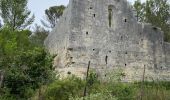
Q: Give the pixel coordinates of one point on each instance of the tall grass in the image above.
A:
(72, 89)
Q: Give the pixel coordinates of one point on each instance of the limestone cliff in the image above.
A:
(106, 33)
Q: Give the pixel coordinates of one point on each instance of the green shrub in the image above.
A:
(26, 67)
(63, 89)
(123, 91)
(72, 89)
(156, 90)
(97, 96)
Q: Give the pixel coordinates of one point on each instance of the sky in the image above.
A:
(38, 7)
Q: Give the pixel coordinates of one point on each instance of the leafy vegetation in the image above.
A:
(156, 12)
(52, 15)
(38, 36)
(25, 66)
(72, 88)
(15, 14)
(26, 71)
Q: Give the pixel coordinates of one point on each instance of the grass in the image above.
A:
(72, 89)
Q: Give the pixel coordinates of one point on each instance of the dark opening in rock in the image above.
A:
(87, 33)
(106, 58)
(110, 14)
(154, 28)
(71, 49)
(68, 72)
(125, 20)
(121, 37)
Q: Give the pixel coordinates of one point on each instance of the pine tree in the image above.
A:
(15, 14)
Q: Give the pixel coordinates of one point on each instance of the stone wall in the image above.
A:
(106, 33)
(167, 53)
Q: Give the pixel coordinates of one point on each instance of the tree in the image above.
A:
(15, 14)
(25, 66)
(52, 16)
(156, 12)
(139, 10)
(63, 89)
(39, 35)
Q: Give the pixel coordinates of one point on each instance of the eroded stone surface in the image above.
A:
(106, 33)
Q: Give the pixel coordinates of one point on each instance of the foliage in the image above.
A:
(93, 83)
(52, 15)
(92, 78)
(155, 90)
(156, 12)
(63, 89)
(39, 36)
(97, 96)
(139, 10)
(122, 91)
(26, 66)
(110, 90)
(15, 14)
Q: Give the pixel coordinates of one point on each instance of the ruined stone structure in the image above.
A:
(106, 33)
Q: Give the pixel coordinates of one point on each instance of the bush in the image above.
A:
(123, 91)
(156, 90)
(26, 66)
(97, 96)
(63, 89)
(72, 89)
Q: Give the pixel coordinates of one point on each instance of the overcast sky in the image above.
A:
(38, 6)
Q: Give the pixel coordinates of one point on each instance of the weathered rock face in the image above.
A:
(106, 33)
